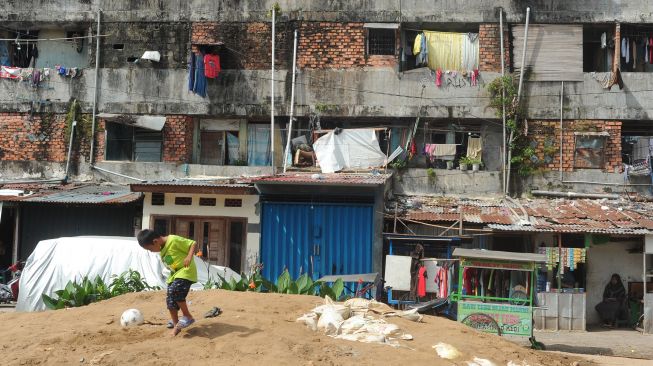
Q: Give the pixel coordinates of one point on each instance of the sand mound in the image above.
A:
(254, 329)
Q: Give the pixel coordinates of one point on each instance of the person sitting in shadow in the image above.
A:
(613, 304)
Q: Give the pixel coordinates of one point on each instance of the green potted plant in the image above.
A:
(464, 163)
(476, 163)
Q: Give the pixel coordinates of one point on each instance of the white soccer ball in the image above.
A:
(131, 317)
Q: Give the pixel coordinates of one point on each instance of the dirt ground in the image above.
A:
(254, 329)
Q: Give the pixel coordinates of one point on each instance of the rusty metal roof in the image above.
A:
(75, 193)
(536, 215)
(342, 179)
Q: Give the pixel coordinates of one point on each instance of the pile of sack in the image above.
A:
(358, 320)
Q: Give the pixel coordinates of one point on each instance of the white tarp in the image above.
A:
(54, 262)
(350, 149)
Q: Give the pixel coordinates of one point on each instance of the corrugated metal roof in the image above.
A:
(544, 215)
(74, 193)
(325, 179)
(208, 186)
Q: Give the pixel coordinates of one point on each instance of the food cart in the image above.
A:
(496, 291)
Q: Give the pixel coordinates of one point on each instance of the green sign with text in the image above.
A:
(512, 319)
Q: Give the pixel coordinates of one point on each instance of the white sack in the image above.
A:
(353, 324)
(350, 149)
(329, 321)
(310, 320)
(447, 351)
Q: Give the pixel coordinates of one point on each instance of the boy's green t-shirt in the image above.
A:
(173, 254)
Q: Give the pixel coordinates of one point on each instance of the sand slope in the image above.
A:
(254, 329)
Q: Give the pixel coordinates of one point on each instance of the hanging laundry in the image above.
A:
(438, 77)
(421, 50)
(624, 41)
(444, 50)
(474, 147)
(650, 50)
(604, 41)
(475, 77)
(7, 72)
(421, 282)
(469, 51)
(212, 66)
(199, 87)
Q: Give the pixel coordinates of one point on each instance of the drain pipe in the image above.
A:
(274, 20)
(519, 90)
(97, 65)
(292, 103)
(117, 174)
(574, 194)
(503, 103)
(70, 150)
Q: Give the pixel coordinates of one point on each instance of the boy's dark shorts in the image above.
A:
(177, 292)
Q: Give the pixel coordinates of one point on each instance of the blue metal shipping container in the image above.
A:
(316, 238)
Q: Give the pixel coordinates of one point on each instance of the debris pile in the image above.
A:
(358, 320)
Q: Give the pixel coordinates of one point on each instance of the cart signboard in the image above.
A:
(495, 264)
(512, 319)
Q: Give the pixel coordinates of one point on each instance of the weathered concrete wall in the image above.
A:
(604, 260)
(61, 52)
(169, 171)
(455, 182)
(378, 92)
(585, 181)
(579, 11)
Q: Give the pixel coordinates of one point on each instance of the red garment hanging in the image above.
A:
(212, 66)
(421, 282)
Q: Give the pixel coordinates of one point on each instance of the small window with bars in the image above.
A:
(158, 199)
(233, 202)
(183, 201)
(381, 41)
(589, 151)
(206, 201)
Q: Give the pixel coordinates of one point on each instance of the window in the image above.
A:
(219, 143)
(183, 201)
(161, 225)
(381, 41)
(127, 143)
(233, 202)
(589, 151)
(206, 201)
(158, 199)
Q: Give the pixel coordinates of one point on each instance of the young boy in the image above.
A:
(177, 254)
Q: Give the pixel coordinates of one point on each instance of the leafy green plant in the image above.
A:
(503, 91)
(398, 164)
(86, 291)
(465, 160)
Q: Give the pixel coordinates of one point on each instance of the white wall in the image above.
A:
(248, 211)
(604, 260)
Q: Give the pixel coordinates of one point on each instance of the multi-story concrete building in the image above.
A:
(147, 113)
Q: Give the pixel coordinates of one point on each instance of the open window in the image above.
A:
(129, 143)
(589, 150)
(636, 48)
(219, 142)
(44, 48)
(598, 47)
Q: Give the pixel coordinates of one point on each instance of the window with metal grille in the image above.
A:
(206, 201)
(183, 201)
(158, 199)
(381, 41)
(233, 202)
(589, 151)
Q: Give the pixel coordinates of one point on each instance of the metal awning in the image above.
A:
(499, 255)
(381, 25)
(154, 123)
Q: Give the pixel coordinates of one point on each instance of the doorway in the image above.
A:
(221, 239)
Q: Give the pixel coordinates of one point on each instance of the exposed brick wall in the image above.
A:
(40, 137)
(245, 45)
(336, 45)
(178, 139)
(32, 138)
(547, 133)
(489, 53)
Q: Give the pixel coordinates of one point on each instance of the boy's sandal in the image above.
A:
(170, 324)
(215, 311)
(185, 322)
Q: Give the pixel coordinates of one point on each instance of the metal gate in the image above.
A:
(316, 238)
